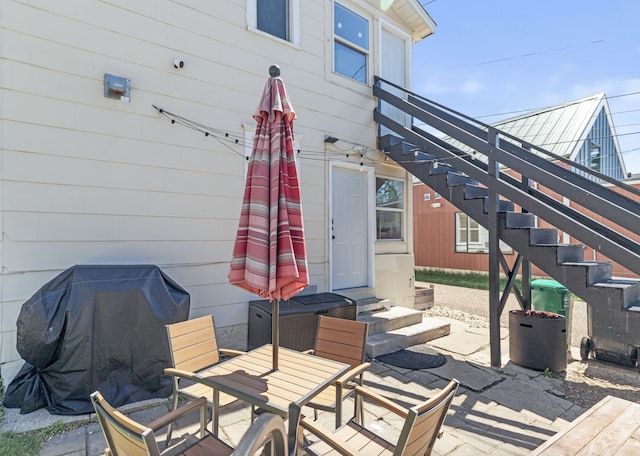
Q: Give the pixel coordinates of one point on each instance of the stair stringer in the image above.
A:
(590, 280)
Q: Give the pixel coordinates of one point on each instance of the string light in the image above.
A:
(226, 139)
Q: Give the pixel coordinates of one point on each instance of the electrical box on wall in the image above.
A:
(117, 87)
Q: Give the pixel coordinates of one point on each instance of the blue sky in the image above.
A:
(492, 59)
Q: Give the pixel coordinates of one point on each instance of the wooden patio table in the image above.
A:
(250, 377)
(611, 427)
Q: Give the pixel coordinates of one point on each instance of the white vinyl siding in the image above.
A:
(91, 180)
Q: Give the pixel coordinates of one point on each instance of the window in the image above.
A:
(273, 17)
(351, 43)
(473, 238)
(389, 209)
(594, 157)
(276, 18)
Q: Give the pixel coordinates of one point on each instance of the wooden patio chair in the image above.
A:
(421, 428)
(126, 437)
(194, 349)
(345, 341)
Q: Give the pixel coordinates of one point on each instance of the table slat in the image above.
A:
(609, 427)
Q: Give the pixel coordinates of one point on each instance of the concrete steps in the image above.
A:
(394, 328)
(399, 327)
(366, 300)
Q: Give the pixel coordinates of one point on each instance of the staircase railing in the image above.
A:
(482, 144)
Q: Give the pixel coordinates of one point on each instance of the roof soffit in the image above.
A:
(419, 23)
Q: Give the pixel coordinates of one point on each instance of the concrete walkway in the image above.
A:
(497, 411)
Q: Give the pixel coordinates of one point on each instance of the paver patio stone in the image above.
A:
(470, 376)
(511, 392)
(67, 443)
(422, 377)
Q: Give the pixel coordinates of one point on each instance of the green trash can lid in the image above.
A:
(548, 284)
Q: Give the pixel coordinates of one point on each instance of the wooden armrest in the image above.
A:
(352, 373)
(326, 436)
(383, 401)
(231, 352)
(182, 410)
(180, 373)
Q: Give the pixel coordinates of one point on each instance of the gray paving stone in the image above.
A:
(69, 443)
(515, 395)
(469, 375)
(422, 377)
(96, 443)
(574, 412)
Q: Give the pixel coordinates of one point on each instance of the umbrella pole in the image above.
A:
(275, 332)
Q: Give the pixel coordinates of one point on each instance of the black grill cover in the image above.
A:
(96, 328)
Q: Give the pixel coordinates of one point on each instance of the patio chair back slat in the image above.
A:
(341, 340)
(194, 349)
(193, 344)
(124, 436)
(423, 423)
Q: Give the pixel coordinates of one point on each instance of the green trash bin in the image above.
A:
(551, 296)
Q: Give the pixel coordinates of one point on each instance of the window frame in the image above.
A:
(594, 160)
(293, 22)
(481, 245)
(392, 210)
(336, 39)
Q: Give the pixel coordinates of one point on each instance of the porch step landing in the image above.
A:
(366, 300)
(399, 327)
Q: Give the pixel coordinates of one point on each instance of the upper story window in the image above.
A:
(351, 43)
(278, 18)
(389, 209)
(273, 17)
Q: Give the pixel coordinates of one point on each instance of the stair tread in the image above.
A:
(427, 324)
(586, 263)
(618, 283)
(397, 339)
(394, 312)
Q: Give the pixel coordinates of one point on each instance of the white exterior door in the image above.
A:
(393, 58)
(349, 228)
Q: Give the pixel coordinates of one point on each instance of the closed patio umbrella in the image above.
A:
(269, 254)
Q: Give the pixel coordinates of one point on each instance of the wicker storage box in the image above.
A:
(298, 319)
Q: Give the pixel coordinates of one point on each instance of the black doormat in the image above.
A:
(415, 357)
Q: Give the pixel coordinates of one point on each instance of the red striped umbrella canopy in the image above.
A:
(269, 255)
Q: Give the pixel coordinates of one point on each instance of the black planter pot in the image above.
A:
(538, 340)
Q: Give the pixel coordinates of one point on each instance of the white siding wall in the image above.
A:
(90, 180)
